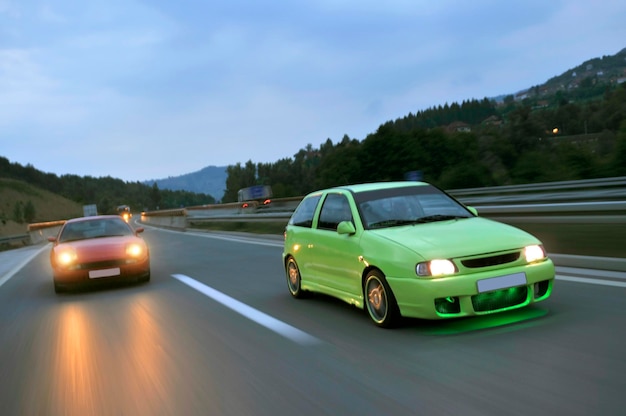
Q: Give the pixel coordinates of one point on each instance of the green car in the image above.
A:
(408, 249)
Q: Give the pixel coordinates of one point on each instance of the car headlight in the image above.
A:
(438, 267)
(534, 253)
(134, 250)
(66, 256)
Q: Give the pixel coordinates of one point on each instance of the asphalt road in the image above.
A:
(215, 332)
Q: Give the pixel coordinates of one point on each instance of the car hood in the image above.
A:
(457, 238)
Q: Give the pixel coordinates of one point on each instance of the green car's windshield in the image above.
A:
(405, 206)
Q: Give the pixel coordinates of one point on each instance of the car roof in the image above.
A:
(374, 186)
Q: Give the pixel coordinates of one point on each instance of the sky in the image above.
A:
(148, 89)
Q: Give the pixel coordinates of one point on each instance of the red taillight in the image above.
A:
(267, 201)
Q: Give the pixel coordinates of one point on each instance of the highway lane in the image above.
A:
(167, 348)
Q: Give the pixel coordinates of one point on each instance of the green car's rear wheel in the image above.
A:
(379, 300)
(294, 280)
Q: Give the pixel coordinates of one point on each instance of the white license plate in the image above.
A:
(96, 274)
(502, 282)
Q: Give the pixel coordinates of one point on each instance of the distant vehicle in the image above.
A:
(258, 193)
(98, 249)
(408, 249)
(124, 212)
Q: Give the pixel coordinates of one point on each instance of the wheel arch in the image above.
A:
(364, 274)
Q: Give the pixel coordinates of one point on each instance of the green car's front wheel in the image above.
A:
(379, 300)
(294, 281)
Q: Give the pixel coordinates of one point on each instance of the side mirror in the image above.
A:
(139, 230)
(52, 239)
(473, 210)
(346, 227)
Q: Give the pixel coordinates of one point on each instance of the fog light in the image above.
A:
(449, 305)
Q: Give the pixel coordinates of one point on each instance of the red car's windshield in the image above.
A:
(108, 227)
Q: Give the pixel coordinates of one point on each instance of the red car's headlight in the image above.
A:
(135, 250)
(65, 256)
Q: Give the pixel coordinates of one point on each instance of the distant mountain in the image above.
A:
(210, 180)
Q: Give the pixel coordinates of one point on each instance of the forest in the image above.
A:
(106, 192)
(580, 134)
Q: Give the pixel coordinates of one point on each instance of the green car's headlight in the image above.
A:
(438, 267)
(534, 253)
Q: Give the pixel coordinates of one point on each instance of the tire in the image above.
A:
(380, 302)
(294, 280)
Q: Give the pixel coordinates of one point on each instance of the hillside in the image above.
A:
(16, 195)
(608, 70)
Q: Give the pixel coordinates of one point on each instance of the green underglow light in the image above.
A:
(513, 319)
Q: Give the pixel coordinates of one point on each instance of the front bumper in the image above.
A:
(127, 272)
(458, 296)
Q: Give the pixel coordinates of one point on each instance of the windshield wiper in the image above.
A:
(422, 220)
(438, 217)
(391, 223)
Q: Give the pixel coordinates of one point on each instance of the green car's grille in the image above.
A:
(499, 299)
(491, 260)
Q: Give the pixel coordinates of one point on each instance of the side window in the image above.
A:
(335, 209)
(303, 215)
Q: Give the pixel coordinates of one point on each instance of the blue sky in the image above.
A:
(142, 90)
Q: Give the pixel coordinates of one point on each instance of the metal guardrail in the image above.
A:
(14, 238)
(23, 239)
(604, 189)
(603, 199)
(619, 181)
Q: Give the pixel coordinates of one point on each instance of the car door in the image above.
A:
(335, 257)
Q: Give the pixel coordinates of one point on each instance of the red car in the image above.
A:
(101, 248)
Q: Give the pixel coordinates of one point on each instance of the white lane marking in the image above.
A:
(17, 268)
(577, 271)
(259, 317)
(592, 281)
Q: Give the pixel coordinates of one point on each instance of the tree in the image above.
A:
(29, 211)
(155, 196)
(619, 157)
(18, 215)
